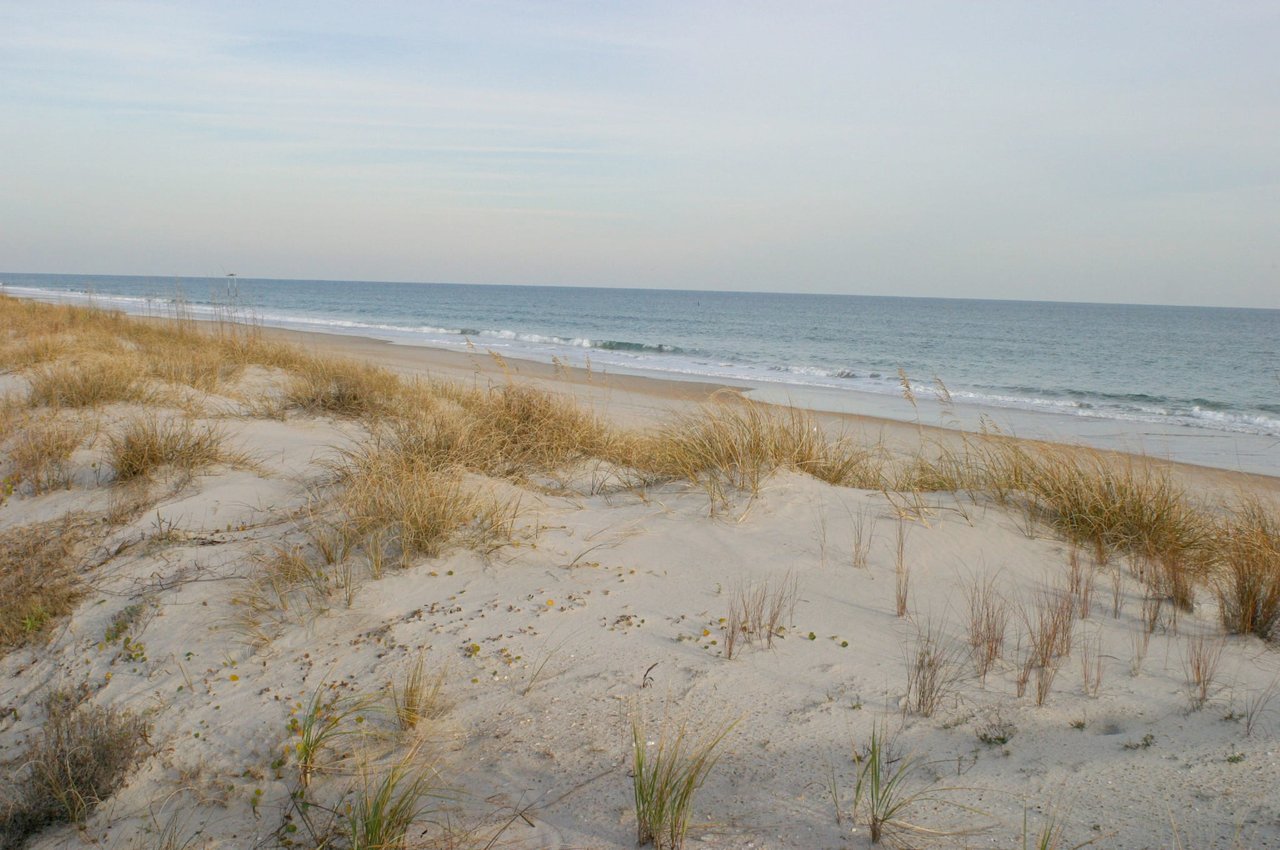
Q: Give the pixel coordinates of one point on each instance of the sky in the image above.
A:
(1080, 151)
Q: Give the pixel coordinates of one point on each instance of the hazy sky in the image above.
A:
(1063, 150)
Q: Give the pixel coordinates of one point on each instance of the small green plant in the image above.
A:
(132, 650)
(881, 789)
(383, 809)
(320, 725)
(1050, 835)
(122, 622)
(666, 775)
(1235, 758)
(1144, 744)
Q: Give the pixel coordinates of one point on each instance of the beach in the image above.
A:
(577, 565)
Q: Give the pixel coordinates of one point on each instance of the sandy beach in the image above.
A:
(1023, 680)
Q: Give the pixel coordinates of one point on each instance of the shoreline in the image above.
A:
(638, 401)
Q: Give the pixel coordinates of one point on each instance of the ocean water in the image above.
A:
(1195, 384)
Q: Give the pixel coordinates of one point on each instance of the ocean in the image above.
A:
(1195, 384)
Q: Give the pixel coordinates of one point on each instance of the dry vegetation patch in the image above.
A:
(37, 578)
(147, 443)
(740, 443)
(341, 387)
(397, 502)
(517, 430)
(1247, 577)
(41, 449)
(91, 381)
(83, 756)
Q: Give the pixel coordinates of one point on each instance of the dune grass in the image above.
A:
(1246, 576)
(341, 387)
(38, 581)
(416, 697)
(411, 488)
(88, 382)
(412, 508)
(84, 754)
(882, 793)
(666, 776)
(518, 430)
(737, 443)
(148, 443)
(41, 449)
(384, 807)
(1115, 505)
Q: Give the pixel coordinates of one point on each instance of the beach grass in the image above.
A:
(148, 443)
(666, 775)
(405, 486)
(737, 443)
(384, 807)
(1246, 578)
(38, 581)
(83, 754)
(92, 381)
(41, 449)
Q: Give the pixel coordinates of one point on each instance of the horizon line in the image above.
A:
(235, 276)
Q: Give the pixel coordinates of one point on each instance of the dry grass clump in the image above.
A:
(193, 363)
(341, 387)
(283, 581)
(147, 443)
(23, 353)
(1115, 506)
(988, 622)
(83, 756)
(176, 349)
(1200, 663)
(41, 449)
(946, 471)
(88, 382)
(1247, 574)
(1049, 626)
(739, 443)
(417, 697)
(933, 670)
(399, 503)
(516, 430)
(756, 613)
(37, 578)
